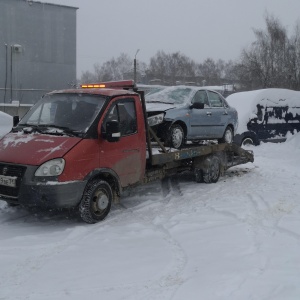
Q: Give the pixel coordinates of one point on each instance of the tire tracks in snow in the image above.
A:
(164, 286)
(39, 255)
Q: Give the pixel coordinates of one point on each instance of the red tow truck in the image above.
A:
(82, 148)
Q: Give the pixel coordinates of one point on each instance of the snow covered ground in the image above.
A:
(238, 239)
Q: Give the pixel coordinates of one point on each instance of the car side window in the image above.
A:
(201, 97)
(215, 99)
(124, 112)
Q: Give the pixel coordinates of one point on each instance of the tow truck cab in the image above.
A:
(69, 142)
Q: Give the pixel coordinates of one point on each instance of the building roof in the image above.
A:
(47, 3)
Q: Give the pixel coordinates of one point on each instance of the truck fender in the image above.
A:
(110, 177)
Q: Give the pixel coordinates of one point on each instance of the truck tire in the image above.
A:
(212, 172)
(198, 175)
(96, 201)
(227, 136)
(175, 137)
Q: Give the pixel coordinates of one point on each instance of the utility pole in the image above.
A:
(134, 66)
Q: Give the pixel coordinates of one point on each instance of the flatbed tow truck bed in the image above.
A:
(208, 161)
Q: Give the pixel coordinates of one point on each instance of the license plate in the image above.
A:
(8, 181)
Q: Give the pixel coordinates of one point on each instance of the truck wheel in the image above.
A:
(198, 175)
(96, 201)
(175, 137)
(213, 169)
(227, 137)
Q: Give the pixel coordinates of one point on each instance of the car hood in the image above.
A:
(156, 106)
(34, 149)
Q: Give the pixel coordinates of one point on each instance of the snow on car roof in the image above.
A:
(246, 102)
(178, 94)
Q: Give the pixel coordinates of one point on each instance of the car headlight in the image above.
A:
(52, 167)
(154, 120)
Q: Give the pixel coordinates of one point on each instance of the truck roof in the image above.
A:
(110, 88)
(93, 91)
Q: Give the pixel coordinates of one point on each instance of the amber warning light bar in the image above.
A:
(123, 84)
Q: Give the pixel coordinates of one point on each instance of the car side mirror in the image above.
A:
(113, 132)
(16, 120)
(197, 105)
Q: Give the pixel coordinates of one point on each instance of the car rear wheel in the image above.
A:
(175, 137)
(228, 136)
(96, 201)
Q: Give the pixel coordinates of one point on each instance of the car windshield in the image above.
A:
(63, 113)
(172, 95)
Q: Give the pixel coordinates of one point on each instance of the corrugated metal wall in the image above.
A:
(37, 49)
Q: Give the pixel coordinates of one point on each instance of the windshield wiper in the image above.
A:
(62, 130)
(44, 128)
(29, 128)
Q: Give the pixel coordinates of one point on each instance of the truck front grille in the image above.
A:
(11, 170)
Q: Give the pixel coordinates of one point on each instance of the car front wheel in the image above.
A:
(175, 137)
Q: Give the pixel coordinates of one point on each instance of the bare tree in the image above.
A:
(211, 71)
(88, 77)
(114, 69)
(264, 64)
(293, 59)
(171, 68)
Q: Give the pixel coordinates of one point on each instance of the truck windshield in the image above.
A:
(67, 112)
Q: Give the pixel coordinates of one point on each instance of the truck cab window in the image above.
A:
(124, 112)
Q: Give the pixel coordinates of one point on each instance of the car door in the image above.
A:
(125, 157)
(201, 122)
(219, 114)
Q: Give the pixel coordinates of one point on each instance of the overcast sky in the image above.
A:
(199, 29)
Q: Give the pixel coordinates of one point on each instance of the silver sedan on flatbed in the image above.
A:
(184, 113)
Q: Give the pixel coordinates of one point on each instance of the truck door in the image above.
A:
(126, 157)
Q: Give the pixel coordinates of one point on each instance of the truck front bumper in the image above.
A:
(30, 192)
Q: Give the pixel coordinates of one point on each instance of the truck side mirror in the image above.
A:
(16, 120)
(197, 105)
(113, 132)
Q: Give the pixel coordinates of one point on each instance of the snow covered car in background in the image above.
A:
(267, 115)
(179, 114)
(6, 123)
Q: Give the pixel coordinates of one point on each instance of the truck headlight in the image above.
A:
(154, 120)
(53, 167)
